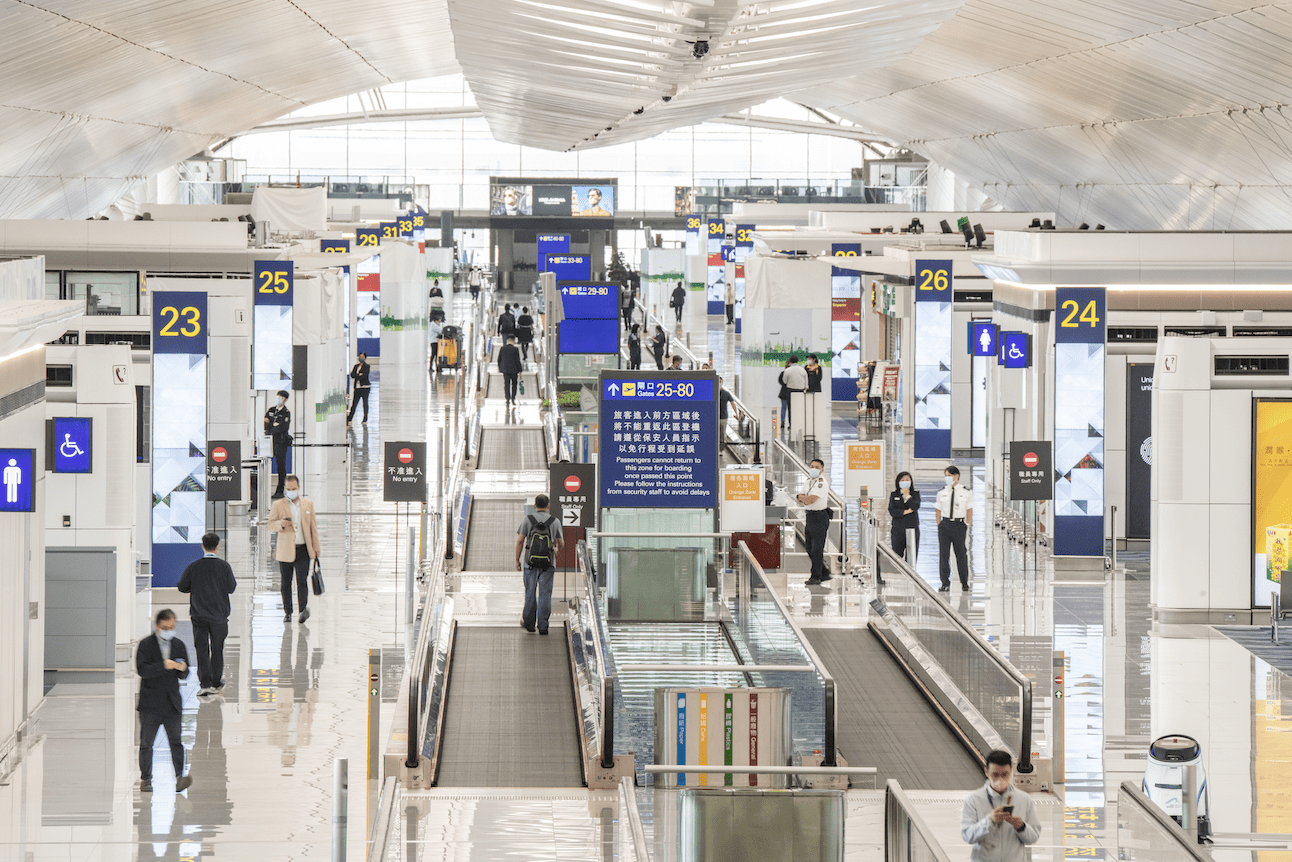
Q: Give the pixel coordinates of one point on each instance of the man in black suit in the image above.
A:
(161, 661)
(510, 365)
(362, 386)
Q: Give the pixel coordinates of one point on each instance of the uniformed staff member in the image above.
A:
(278, 425)
(904, 508)
(816, 504)
(954, 514)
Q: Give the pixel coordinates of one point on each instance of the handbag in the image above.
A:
(316, 579)
(521, 386)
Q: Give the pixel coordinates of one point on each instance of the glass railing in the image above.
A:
(907, 838)
(962, 664)
(763, 633)
(1146, 833)
(594, 664)
(383, 841)
(631, 843)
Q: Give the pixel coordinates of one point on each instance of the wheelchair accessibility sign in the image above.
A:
(70, 444)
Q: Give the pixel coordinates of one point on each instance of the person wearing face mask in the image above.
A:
(815, 500)
(998, 819)
(904, 508)
(161, 662)
(953, 512)
(298, 543)
(278, 425)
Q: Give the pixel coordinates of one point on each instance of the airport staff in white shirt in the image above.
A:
(998, 819)
(954, 515)
(815, 500)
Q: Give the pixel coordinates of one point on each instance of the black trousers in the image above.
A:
(360, 392)
(281, 445)
(898, 540)
(678, 310)
(818, 526)
(524, 349)
(208, 637)
(731, 313)
(628, 317)
(659, 361)
(301, 569)
(509, 382)
(149, 722)
(475, 292)
(634, 363)
(951, 534)
(435, 352)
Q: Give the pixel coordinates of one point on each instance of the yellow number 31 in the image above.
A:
(1089, 314)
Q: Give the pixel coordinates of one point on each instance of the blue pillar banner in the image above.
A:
(933, 290)
(1079, 356)
(178, 458)
(271, 343)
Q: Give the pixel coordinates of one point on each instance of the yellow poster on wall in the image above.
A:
(1271, 497)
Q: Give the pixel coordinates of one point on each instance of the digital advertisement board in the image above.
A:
(570, 267)
(554, 200)
(588, 336)
(659, 440)
(1139, 449)
(716, 271)
(1271, 496)
(590, 299)
(845, 324)
(367, 309)
(1079, 451)
(933, 292)
(271, 345)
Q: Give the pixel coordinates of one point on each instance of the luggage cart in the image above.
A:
(450, 353)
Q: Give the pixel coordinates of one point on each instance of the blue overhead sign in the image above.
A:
(588, 336)
(71, 444)
(570, 267)
(659, 440)
(596, 299)
(551, 243)
(1015, 350)
(982, 338)
(18, 472)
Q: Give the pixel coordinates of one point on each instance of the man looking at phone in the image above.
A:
(998, 819)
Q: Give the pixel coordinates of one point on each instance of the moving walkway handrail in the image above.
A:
(902, 823)
(975, 639)
(601, 648)
(749, 564)
(383, 827)
(635, 834)
(1132, 798)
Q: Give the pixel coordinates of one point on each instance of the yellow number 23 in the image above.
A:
(191, 325)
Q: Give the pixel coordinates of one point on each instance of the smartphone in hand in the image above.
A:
(1008, 809)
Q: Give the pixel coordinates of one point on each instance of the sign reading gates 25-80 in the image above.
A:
(179, 322)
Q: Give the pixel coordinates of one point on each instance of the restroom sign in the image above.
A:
(17, 480)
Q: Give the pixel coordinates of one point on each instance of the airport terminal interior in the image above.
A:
(462, 431)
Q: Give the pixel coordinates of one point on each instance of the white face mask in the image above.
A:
(814, 472)
(165, 634)
(292, 493)
(904, 484)
(950, 480)
(282, 402)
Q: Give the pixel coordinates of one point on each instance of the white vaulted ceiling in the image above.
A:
(98, 94)
(586, 73)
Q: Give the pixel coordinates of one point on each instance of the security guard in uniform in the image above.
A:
(278, 425)
(816, 505)
(954, 514)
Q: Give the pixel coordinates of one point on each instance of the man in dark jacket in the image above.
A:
(278, 425)
(678, 300)
(161, 662)
(506, 322)
(510, 365)
(362, 386)
(210, 581)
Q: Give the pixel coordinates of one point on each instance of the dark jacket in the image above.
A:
(360, 374)
(814, 378)
(509, 361)
(679, 297)
(159, 686)
(209, 580)
(784, 394)
(896, 505)
(634, 347)
(525, 328)
(506, 323)
(724, 398)
(658, 342)
(278, 423)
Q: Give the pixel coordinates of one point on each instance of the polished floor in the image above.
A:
(262, 755)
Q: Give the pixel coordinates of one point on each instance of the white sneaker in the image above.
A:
(202, 692)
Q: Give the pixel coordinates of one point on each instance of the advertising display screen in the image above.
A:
(1271, 496)
(556, 200)
(845, 324)
(569, 267)
(588, 336)
(367, 309)
(589, 299)
(551, 243)
(659, 440)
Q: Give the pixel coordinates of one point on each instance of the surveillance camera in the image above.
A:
(700, 48)
(640, 110)
(668, 98)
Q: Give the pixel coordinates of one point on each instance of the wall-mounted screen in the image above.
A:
(588, 336)
(554, 199)
(1271, 496)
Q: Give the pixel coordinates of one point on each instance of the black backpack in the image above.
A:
(540, 552)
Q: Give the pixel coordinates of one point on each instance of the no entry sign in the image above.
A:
(403, 474)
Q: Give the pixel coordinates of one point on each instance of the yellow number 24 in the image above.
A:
(1089, 314)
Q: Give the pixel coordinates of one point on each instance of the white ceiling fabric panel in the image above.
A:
(589, 73)
(1156, 114)
(99, 95)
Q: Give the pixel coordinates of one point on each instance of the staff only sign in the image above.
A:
(403, 473)
(574, 491)
(1031, 470)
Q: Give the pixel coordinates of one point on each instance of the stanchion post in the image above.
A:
(410, 574)
(340, 807)
(374, 713)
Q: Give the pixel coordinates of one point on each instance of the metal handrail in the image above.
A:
(717, 668)
(895, 797)
(1132, 796)
(747, 558)
(385, 822)
(628, 798)
(984, 647)
(601, 644)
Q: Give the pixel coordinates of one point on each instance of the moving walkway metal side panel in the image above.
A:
(521, 448)
(885, 721)
(491, 535)
(510, 720)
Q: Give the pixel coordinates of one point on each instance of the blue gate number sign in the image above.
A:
(659, 441)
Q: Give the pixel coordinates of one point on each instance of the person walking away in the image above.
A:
(510, 365)
(538, 543)
(731, 304)
(362, 386)
(678, 300)
(626, 305)
(161, 662)
(953, 512)
(433, 330)
(525, 331)
(506, 322)
(658, 343)
(635, 347)
(278, 427)
(903, 509)
(210, 582)
(998, 820)
(298, 544)
(815, 500)
(473, 281)
(724, 398)
(793, 379)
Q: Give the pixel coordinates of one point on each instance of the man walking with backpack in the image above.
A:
(538, 542)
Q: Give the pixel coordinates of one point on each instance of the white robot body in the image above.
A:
(1164, 778)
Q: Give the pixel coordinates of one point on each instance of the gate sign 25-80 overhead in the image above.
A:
(659, 440)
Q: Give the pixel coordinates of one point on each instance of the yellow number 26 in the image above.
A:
(933, 279)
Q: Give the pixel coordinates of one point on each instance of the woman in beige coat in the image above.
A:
(292, 518)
